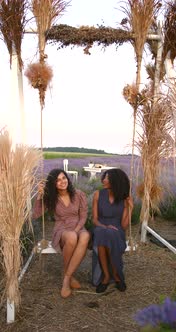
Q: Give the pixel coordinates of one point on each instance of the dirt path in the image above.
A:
(150, 272)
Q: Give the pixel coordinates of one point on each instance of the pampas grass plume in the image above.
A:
(39, 75)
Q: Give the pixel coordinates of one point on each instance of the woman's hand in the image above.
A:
(129, 202)
(112, 227)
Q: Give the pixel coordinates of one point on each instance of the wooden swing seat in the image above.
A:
(48, 250)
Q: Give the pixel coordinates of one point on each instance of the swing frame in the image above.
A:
(49, 249)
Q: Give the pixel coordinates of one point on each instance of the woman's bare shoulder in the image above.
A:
(96, 194)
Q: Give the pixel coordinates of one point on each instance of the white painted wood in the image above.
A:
(158, 63)
(167, 244)
(171, 79)
(11, 305)
(13, 103)
(48, 250)
(21, 105)
(16, 115)
(26, 266)
(152, 36)
(74, 173)
(128, 248)
(144, 231)
(17, 90)
(94, 170)
(10, 312)
(170, 71)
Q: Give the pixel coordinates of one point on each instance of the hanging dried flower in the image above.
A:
(39, 76)
(130, 94)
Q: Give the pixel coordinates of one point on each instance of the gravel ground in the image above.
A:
(150, 272)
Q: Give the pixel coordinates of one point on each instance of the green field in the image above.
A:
(62, 155)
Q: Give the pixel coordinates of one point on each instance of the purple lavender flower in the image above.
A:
(158, 315)
(169, 312)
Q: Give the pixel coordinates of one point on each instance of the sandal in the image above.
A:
(101, 288)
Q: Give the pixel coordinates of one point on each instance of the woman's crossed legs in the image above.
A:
(74, 249)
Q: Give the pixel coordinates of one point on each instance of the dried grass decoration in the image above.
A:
(130, 94)
(154, 144)
(18, 175)
(170, 30)
(156, 193)
(46, 12)
(39, 76)
(140, 16)
(12, 25)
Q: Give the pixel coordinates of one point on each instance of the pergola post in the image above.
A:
(171, 78)
(17, 107)
(144, 231)
(16, 104)
(10, 312)
(156, 92)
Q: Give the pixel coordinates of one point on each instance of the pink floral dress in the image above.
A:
(66, 217)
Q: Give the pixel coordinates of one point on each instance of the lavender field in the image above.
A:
(118, 161)
(166, 177)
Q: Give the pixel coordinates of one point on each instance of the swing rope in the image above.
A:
(131, 181)
(44, 242)
(131, 239)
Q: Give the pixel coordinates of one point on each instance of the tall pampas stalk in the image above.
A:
(40, 74)
(46, 12)
(154, 143)
(18, 175)
(172, 101)
(140, 16)
(12, 25)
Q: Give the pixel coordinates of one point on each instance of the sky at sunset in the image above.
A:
(84, 104)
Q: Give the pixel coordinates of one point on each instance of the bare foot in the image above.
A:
(74, 283)
(66, 290)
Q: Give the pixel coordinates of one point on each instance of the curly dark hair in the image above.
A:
(119, 182)
(51, 193)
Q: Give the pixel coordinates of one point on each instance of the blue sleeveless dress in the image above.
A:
(108, 214)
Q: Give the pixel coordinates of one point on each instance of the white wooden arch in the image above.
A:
(17, 85)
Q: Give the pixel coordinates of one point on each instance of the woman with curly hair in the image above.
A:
(69, 207)
(111, 208)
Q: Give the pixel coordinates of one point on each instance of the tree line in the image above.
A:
(74, 149)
